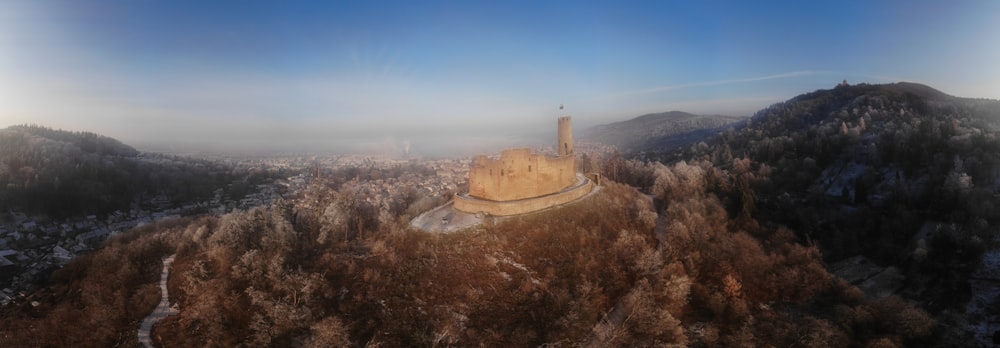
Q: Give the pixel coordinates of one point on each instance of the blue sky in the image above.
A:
(326, 73)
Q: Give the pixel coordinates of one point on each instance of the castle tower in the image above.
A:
(521, 181)
(565, 144)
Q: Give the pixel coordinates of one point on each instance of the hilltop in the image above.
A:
(334, 270)
(658, 131)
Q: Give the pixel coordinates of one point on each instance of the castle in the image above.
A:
(520, 181)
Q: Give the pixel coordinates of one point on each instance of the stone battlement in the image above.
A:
(467, 203)
(519, 174)
(520, 181)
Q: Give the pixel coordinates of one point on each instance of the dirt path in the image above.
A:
(162, 310)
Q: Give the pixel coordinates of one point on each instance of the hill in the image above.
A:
(61, 174)
(901, 174)
(334, 269)
(658, 131)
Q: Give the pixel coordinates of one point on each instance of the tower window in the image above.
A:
(529, 168)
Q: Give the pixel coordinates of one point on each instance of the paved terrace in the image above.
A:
(446, 218)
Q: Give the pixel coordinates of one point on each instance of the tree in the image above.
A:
(329, 332)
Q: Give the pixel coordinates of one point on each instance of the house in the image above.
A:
(3, 257)
(61, 253)
(92, 236)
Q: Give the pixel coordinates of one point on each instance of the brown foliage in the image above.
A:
(604, 271)
(96, 300)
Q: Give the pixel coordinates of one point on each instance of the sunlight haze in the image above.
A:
(325, 75)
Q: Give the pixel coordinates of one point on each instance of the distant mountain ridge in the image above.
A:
(652, 131)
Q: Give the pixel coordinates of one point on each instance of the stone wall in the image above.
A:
(519, 174)
(474, 205)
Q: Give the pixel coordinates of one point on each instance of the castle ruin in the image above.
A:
(520, 181)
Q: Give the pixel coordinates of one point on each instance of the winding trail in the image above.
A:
(162, 310)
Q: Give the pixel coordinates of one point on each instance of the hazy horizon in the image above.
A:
(260, 75)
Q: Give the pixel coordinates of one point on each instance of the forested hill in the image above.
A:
(85, 142)
(652, 131)
(61, 173)
(901, 173)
